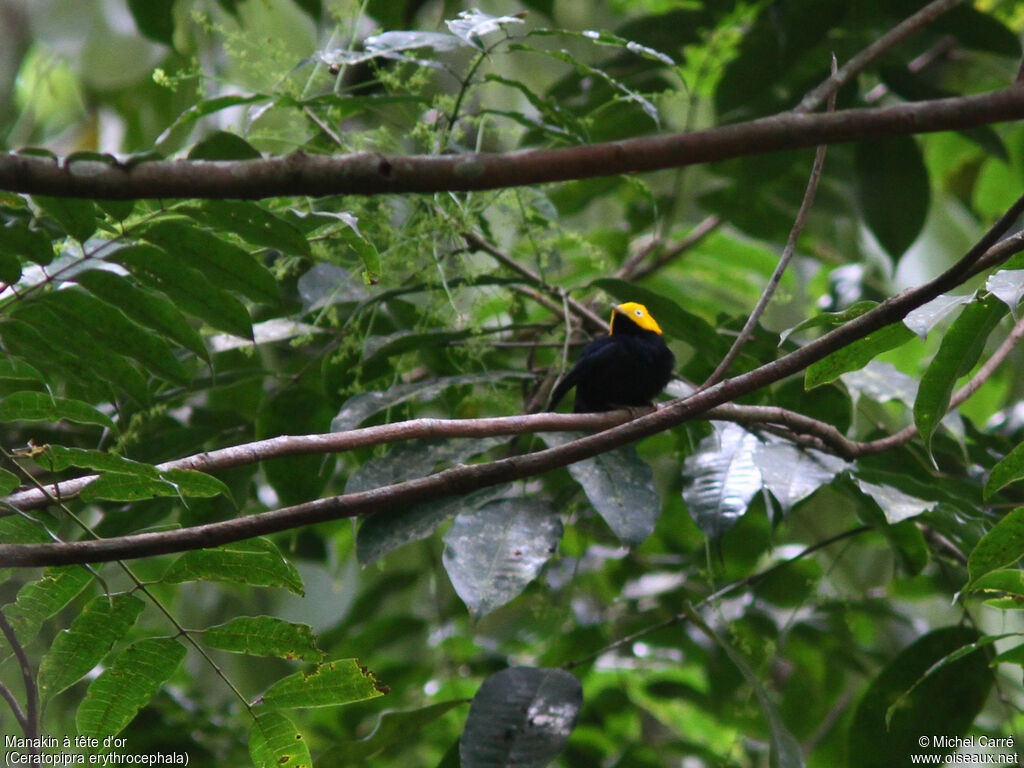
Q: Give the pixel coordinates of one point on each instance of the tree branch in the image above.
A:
(817, 97)
(375, 173)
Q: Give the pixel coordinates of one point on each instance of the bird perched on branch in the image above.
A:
(626, 368)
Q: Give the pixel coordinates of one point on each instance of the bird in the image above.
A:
(626, 368)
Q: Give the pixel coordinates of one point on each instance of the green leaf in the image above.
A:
(830, 320)
(187, 288)
(331, 684)
(10, 267)
(77, 352)
(39, 600)
(945, 702)
(675, 321)
(8, 482)
(256, 562)
(118, 486)
(620, 486)
(296, 479)
(18, 239)
(112, 328)
(223, 145)
(117, 209)
(389, 529)
(127, 685)
(855, 356)
(12, 369)
(251, 222)
(721, 479)
(958, 353)
(1001, 546)
(57, 458)
(37, 406)
(893, 190)
(227, 266)
(1008, 470)
(896, 505)
(392, 728)
(146, 308)
(275, 743)
(265, 636)
(521, 716)
(492, 553)
(1006, 580)
(82, 646)
(208, 107)
(74, 215)
(155, 20)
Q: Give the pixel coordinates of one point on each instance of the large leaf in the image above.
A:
(331, 684)
(147, 308)
(945, 703)
(120, 486)
(620, 486)
(264, 636)
(39, 600)
(1001, 546)
(856, 355)
(893, 190)
(521, 717)
(492, 553)
(387, 530)
(227, 266)
(186, 287)
(792, 475)
(274, 742)
(256, 562)
(721, 478)
(82, 646)
(112, 328)
(36, 406)
(251, 222)
(960, 349)
(127, 685)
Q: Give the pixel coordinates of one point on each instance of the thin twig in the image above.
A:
(787, 254)
(744, 582)
(29, 720)
(636, 268)
(814, 100)
(475, 241)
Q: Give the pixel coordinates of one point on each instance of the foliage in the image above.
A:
(718, 594)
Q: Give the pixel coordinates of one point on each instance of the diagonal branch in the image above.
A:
(817, 97)
(375, 173)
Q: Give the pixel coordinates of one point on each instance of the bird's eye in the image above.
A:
(638, 312)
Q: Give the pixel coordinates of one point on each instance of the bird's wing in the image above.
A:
(594, 355)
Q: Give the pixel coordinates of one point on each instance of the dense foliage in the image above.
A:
(748, 590)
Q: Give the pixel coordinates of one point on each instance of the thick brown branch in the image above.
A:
(372, 173)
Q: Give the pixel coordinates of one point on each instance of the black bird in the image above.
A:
(626, 368)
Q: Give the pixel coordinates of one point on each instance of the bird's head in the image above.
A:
(634, 313)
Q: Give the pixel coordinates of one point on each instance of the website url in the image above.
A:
(969, 758)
